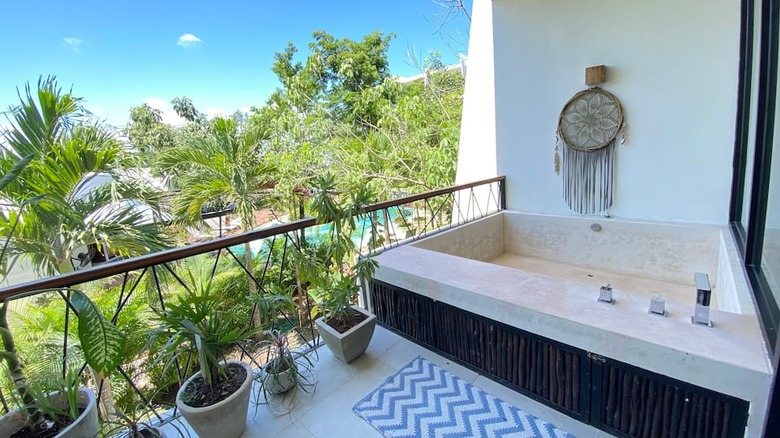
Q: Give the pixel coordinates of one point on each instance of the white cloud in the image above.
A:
(96, 110)
(189, 40)
(73, 43)
(168, 114)
(156, 103)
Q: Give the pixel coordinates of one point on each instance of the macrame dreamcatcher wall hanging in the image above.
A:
(588, 126)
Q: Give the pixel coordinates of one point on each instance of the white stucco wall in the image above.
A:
(478, 160)
(672, 64)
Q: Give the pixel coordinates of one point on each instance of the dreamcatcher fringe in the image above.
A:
(588, 178)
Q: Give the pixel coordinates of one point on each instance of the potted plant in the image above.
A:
(138, 423)
(215, 400)
(69, 411)
(62, 409)
(65, 410)
(334, 281)
(285, 369)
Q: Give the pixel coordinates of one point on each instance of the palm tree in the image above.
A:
(81, 201)
(70, 154)
(226, 166)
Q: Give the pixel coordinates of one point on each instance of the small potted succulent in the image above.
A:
(334, 281)
(215, 400)
(285, 369)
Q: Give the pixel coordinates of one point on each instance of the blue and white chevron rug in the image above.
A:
(423, 400)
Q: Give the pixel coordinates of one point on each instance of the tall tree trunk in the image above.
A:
(17, 375)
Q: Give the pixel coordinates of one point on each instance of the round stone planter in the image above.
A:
(278, 383)
(226, 419)
(351, 344)
(85, 426)
(147, 432)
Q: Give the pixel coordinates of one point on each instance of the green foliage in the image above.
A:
(147, 132)
(339, 111)
(137, 422)
(185, 109)
(271, 302)
(68, 152)
(102, 342)
(226, 165)
(197, 323)
(333, 279)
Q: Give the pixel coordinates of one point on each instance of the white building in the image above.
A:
(694, 191)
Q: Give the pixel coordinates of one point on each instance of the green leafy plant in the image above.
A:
(196, 324)
(103, 344)
(334, 279)
(275, 299)
(286, 369)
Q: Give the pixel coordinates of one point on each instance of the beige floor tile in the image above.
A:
(402, 353)
(331, 374)
(263, 422)
(405, 351)
(382, 340)
(295, 430)
(327, 412)
(333, 416)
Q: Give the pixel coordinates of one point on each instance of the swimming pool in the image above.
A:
(316, 234)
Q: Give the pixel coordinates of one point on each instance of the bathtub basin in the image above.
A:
(542, 274)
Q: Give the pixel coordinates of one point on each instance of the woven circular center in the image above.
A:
(590, 120)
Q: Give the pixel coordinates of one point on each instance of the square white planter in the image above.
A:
(351, 344)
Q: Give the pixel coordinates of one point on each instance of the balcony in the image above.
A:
(327, 412)
(126, 290)
(472, 288)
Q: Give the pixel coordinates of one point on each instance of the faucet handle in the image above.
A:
(605, 294)
(701, 314)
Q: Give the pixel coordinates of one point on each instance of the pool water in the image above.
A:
(316, 234)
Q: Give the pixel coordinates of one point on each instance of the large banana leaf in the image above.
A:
(103, 344)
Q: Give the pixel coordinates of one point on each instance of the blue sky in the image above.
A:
(118, 53)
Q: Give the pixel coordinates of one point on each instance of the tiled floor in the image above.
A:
(327, 412)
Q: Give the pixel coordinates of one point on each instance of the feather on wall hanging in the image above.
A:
(588, 126)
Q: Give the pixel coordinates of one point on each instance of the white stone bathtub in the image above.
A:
(542, 274)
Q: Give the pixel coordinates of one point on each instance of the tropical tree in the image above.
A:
(340, 111)
(413, 145)
(226, 166)
(83, 205)
(333, 77)
(82, 200)
(185, 109)
(147, 132)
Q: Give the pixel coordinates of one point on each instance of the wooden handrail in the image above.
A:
(144, 261)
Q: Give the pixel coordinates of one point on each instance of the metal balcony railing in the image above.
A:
(129, 289)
